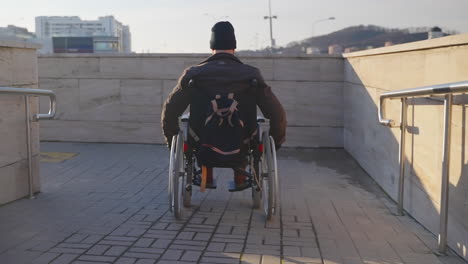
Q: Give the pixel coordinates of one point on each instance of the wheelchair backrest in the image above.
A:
(204, 90)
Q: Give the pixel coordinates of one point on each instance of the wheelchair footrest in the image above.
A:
(233, 187)
(243, 172)
(197, 182)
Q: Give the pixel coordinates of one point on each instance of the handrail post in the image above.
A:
(402, 156)
(444, 199)
(28, 147)
(27, 93)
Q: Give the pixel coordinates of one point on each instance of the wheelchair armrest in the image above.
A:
(185, 117)
(261, 119)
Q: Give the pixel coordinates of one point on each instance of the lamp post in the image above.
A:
(318, 21)
(270, 17)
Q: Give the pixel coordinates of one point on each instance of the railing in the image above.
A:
(443, 89)
(52, 110)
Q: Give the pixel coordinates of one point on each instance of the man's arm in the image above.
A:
(271, 109)
(174, 106)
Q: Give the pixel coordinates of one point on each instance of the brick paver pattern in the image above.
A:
(109, 204)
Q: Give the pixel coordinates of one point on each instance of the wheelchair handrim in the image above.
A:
(269, 185)
(277, 197)
(171, 172)
(178, 169)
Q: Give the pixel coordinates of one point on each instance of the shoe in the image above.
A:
(210, 184)
(241, 181)
(237, 187)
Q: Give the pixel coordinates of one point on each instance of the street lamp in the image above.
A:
(318, 21)
(271, 24)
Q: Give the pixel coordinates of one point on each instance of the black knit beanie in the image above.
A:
(222, 36)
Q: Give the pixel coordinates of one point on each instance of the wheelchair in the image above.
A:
(261, 171)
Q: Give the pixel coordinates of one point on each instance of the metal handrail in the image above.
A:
(26, 92)
(35, 92)
(442, 89)
(448, 88)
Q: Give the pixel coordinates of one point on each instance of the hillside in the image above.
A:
(356, 37)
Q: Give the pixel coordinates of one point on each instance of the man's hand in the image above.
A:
(169, 142)
(277, 147)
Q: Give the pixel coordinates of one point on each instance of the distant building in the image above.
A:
(14, 32)
(388, 44)
(312, 50)
(436, 32)
(64, 34)
(85, 44)
(335, 49)
(351, 49)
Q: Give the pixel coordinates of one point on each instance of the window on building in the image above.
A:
(106, 46)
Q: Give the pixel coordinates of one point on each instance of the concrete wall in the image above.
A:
(375, 147)
(112, 98)
(18, 68)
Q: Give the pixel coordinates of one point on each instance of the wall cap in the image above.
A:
(449, 41)
(13, 43)
(182, 55)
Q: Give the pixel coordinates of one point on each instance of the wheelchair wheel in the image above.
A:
(269, 177)
(176, 173)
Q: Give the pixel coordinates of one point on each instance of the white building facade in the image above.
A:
(48, 27)
(16, 33)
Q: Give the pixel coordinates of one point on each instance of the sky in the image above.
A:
(183, 26)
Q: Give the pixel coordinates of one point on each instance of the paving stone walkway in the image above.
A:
(109, 205)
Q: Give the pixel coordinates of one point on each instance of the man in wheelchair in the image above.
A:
(223, 95)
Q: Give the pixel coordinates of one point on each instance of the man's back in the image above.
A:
(222, 74)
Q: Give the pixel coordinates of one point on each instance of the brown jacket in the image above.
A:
(223, 73)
